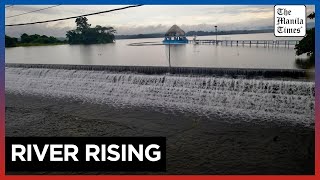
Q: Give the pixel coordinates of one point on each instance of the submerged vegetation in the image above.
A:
(84, 34)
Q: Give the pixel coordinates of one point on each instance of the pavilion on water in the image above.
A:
(175, 35)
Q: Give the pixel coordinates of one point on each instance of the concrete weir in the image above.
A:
(218, 94)
(229, 72)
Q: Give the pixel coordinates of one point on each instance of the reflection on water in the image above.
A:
(190, 55)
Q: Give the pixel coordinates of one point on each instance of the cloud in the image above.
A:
(37, 29)
(145, 19)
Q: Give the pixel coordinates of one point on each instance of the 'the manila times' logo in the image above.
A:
(290, 20)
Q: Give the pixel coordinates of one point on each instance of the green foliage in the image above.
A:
(82, 24)
(32, 40)
(11, 42)
(84, 34)
(312, 15)
(38, 39)
(307, 45)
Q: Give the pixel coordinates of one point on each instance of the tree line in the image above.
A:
(34, 39)
(83, 34)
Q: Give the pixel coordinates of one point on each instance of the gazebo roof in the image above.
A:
(175, 31)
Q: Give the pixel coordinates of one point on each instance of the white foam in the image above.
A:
(234, 99)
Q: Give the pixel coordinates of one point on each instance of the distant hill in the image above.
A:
(192, 33)
(140, 36)
(265, 29)
(208, 33)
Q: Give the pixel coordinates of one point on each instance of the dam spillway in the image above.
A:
(235, 99)
(226, 72)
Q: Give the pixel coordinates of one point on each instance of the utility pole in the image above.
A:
(216, 27)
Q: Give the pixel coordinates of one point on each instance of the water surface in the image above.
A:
(189, 55)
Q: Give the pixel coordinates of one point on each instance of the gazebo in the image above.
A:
(175, 35)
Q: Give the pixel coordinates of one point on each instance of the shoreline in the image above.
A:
(31, 45)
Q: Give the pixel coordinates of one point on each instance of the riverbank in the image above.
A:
(195, 144)
(36, 44)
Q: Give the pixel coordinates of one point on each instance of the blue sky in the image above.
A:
(145, 19)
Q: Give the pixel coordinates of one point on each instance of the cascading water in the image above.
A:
(234, 99)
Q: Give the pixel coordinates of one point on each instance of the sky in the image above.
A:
(142, 20)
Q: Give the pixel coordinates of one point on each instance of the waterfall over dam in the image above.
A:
(230, 72)
(233, 99)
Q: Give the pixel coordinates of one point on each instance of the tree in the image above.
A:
(25, 38)
(307, 46)
(35, 39)
(11, 42)
(84, 34)
(38, 39)
(82, 24)
(312, 15)
(73, 37)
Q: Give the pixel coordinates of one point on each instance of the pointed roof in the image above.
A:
(175, 31)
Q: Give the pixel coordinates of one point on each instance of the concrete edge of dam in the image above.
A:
(230, 72)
